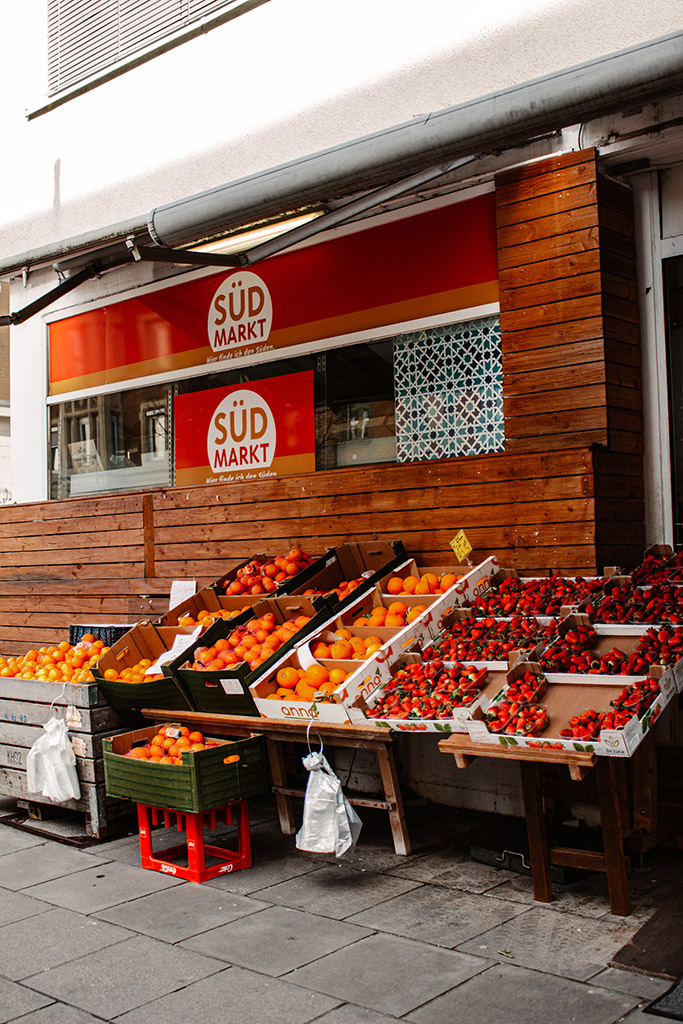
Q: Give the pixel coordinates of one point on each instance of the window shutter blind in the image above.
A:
(88, 36)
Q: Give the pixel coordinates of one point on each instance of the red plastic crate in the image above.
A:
(195, 848)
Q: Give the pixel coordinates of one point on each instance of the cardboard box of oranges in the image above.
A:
(124, 673)
(219, 674)
(350, 570)
(300, 688)
(227, 769)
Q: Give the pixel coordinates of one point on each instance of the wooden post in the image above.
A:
(392, 792)
(612, 838)
(539, 853)
(278, 772)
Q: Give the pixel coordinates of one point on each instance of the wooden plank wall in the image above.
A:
(570, 333)
(567, 494)
(113, 559)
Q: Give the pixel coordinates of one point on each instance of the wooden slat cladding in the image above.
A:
(622, 341)
(569, 313)
(551, 303)
(534, 511)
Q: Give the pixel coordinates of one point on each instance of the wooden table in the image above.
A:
(612, 800)
(277, 732)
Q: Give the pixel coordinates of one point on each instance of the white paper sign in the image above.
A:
(180, 644)
(180, 591)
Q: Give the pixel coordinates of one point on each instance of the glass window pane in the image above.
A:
(105, 442)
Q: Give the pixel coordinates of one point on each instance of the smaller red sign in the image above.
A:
(255, 431)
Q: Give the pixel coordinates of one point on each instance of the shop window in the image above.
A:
(431, 394)
(449, 391)
(110, 443)
(673, 291)
(85, 39)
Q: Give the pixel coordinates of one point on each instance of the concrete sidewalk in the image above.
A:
(87, 935)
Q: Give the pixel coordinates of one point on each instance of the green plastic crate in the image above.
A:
(203, 781)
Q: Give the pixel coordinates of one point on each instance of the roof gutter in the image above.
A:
(630, 78)
(641, 74)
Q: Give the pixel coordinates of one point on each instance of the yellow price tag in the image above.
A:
(461, 546)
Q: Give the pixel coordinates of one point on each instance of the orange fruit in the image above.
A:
(448, 580)
(395, 585)
(314, 675)
(337, 677)
(341, 649)
(288, 677)
(397, 608)
(305, 692)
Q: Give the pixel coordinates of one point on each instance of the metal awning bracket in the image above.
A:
(160, 254)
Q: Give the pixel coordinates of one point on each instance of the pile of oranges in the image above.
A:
(312, 683)
(60, 663)
(264, 577)
(254, 642)
(345, 588)
(428, 583)
(396, 615)
(133, 674)
(167, 746)
(205, 618)
(348, 646)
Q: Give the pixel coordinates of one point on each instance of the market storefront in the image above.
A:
(380, 345)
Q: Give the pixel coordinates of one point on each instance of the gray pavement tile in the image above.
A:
(39, 863)
(177, 913)
(348, 1014)
(125, 851)
(559, 943)
(589, 896)
(15, 906)
(47, 940)
(16, 1000)
(638, 1016)
(388, 974)
(634, 983)
(59, 1013)
(124, 976)
(12, 839)
(235, 995)
(276, 940)
(454, 869)
(270, 864)
(335, 891)
(101, 887)
(444, 917)
(517, 996)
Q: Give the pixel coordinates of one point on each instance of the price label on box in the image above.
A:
(461, 546)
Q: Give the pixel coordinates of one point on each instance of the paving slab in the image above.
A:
(41, 862)
(589, 896)
(59, 1013)
(277, 940)
(336, 891)
(13, 839)
(44, 941)
(235, 994)
(444, 917)
(388, 974)
(16, 1000)
(645, 986)
(517, 996)
(121, 977)
(181, 911)
(454, 869)
(15, 906)
(348, 1014)
(557, 942)
(101, 887)
(270, 864)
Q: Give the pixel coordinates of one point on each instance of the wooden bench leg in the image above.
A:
(537, 834)
(279, 776)
(612, 836)
(392, 792)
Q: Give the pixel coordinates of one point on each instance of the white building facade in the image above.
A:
(278, 111)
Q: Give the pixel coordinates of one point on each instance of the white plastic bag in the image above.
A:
(330, 823)
(51, 764)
